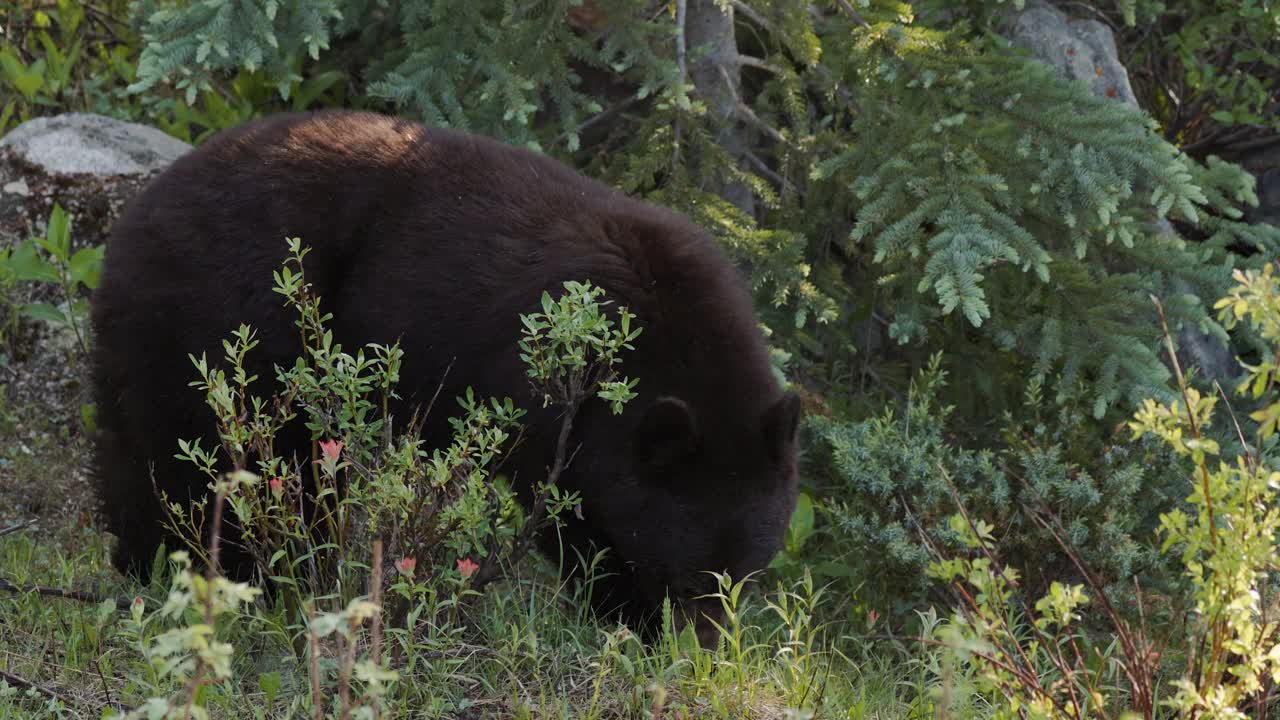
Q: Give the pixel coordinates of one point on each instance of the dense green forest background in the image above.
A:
(974, 230)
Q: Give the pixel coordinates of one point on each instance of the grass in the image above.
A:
(523, 650)
(526, 648)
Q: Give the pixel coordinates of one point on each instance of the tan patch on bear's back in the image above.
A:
(372, 138)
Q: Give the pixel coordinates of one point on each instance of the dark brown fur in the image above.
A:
(442, 239)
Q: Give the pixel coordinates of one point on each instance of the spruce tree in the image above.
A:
(891, 187)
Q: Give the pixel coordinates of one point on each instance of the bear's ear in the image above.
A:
(666, 433)
(781, 423)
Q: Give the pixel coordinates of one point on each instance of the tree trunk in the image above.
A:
(714, 70)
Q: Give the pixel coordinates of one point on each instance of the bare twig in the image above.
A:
(755, 17)
(764, 169)
(313, 643)
(1137, 669)
(1250, 453)
(1191, 419)
(491, 571)
(347, 651)
(743, 111)
(376, 598)
(755, 62)
(753, 14)
(996, 565)
(600, 117)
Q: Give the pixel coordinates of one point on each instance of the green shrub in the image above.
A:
(49, 260)
(67, 55)
(443, 511)
(1044, 663)
(891, 483)
(1206, 69)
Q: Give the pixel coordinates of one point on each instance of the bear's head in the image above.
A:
(692, 494)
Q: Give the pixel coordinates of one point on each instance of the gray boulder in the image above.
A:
(83, 143)
(1268, 210)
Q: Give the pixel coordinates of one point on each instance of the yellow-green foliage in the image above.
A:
(1225, 537)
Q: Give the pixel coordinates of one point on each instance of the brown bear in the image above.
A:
(441, 239)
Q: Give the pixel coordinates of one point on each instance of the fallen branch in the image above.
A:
(23, 683)
(80, 595)
(20, 526)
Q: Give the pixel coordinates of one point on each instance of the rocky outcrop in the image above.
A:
(89, 164)
(1079, 49)
(1085, 49)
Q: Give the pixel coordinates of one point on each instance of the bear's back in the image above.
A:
(445, 236)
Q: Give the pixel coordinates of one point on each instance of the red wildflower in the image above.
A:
(331, 449)
(872, 616)
(466, 567)
(277, 487)
(405, 565)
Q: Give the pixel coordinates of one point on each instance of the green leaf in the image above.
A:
(270, 683)
(89, 417)
(314, 87)
(801, 526)
(86, 266)
(24, 79)
(27, 265)
(6, 113)
(58, 237)
(46, 312)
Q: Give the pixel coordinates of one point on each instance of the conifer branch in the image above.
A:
(754, 15)
(763, 168)
(744, 111)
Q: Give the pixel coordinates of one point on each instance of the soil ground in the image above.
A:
(44, 393)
